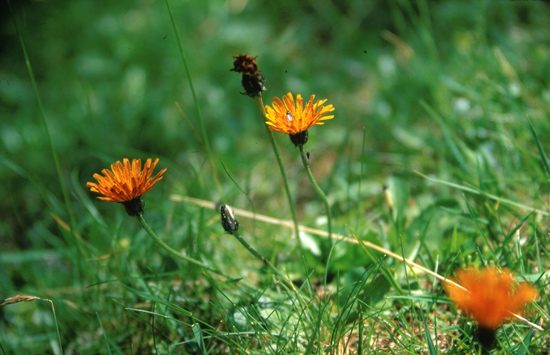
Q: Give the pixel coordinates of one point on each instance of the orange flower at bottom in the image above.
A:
(491, 296)
(126, 183)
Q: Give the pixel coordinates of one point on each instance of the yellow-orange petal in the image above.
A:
(301, 118)
(490, 297)
(125, 181)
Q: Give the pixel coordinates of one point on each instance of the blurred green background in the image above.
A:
(109, 76)
(442, 87)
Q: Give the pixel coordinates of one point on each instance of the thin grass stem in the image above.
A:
(173, 252)
(196, 100)
(27, 298)
(543, 156)
(319, 192)
(479, 192)
(56, 326)
(64, 190)
(260, 103)
(107, 342)
(361, 177)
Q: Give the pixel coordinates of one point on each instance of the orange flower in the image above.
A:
(295, 119)
(491, 296)
(126, 183)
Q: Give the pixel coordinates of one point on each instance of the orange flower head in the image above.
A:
(294, 119)
(125, 183)
(490, 296)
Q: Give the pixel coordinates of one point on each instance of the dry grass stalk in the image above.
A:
(23, 298)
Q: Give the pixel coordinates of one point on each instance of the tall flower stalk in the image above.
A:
(294, 119)
(231, 226)
(319, 191)
(254, 84)
(173, 252)
(283, 174)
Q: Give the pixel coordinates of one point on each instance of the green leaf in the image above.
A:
(198, 337)
(399, 192)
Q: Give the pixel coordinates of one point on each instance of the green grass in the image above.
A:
(446, 103)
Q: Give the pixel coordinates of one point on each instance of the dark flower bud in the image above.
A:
(486, 337)
(229, 223)
(134, 207)
(299, 138)
(253, 85)
(253, 82)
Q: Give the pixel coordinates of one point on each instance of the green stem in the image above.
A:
(56, 327)
(283, 173)
(173, 252)
(195, 98)
(318, 190)
(50, 141)
(258, 255)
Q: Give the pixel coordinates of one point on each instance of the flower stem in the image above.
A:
(283, 174)
(318, 190)
(258, 255)
(173, 252)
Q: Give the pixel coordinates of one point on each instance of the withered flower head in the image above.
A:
(245, 64)
(253, 82)
(490, 297)
(125, 183)
(295, 119)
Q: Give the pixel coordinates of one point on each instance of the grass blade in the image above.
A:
(24, 298)
(195, 98)
(104, 334)
(198, 337)
(524, 346)
(431, 346)
(64, 190)
(543, 156)
(478, 192)
(455, 151)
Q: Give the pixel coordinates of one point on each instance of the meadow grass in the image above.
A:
(437, 153)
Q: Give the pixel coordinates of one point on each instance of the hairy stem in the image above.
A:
(173, 252)
(259, 256)
(283, 174)
(318, 190)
